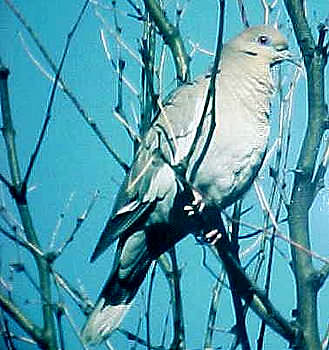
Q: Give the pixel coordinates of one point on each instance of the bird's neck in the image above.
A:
(250, 84)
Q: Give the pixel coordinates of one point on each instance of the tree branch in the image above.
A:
(178, 342)
(252, 295)
(172, 273)
(87, 118)
(30, 328)
(52, 97)
(24, 211)
(171, 36)
(315, 59)
(216, 291)
(8, 130)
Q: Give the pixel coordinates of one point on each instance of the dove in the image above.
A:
(157, 205)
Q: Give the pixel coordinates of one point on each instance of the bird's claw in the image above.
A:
(196, 206)
(212, 237)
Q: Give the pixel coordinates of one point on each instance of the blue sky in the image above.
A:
(73, 164)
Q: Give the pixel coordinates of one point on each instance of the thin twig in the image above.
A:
(131, 336)
(115, 67)
(52, 96)
(87, 118)
(118, 39)
(59, 222)
(6, 182)
(82, 302)
(171, 36)
(243, 13)
(216, 291)
(22, 242)
(80, 220)
(148, 307)
(179, 341)
(30, 328)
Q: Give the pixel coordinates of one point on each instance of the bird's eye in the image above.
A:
(264, 40)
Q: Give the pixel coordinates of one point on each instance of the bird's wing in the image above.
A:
(151, 176)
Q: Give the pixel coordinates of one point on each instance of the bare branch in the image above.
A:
(9, 132)
(118, 39)
(19, 196)
(114, 65)
(89, 120)
(172, 38)
(315, 59)
(268, 9)
(216, 291)
(22, 242)
(30, 328)
(52, 96)
(59, 222)
(148, 307)
(5, 181)
(83, 303)
(243, 13)
(131, 336)
(81, 219)
(255, 298)
(179, 341)
(302, 30)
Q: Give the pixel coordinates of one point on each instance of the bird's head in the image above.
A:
(262, 44)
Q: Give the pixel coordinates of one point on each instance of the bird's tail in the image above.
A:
(103, 321)
(129, 269)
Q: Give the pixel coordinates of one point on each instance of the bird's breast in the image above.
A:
(225, 168)
(232, 161)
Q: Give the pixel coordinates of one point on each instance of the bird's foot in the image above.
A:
(212, 237)
(196, 206)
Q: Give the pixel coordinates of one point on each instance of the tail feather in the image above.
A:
(103, 321)
(133, 258)
(130, 266)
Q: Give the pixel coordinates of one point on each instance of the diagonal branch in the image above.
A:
(30, 328)
(52, 97)
(253, 296)
(216, 291)
(172, 274)
(243, 13)
(171, 36)
(179, 330)
(86, 117)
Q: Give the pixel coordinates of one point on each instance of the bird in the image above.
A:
(158, 204)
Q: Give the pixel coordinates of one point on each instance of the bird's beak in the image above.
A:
(282, 54)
